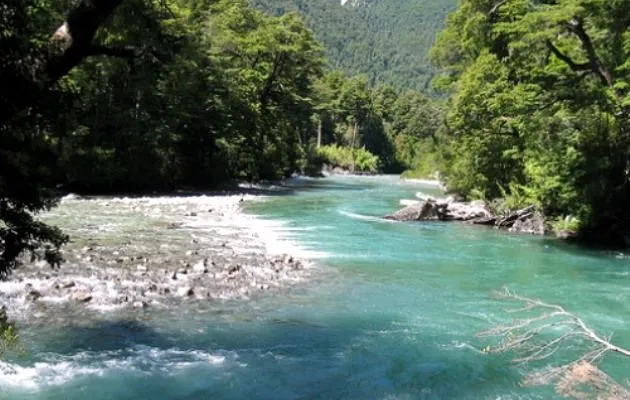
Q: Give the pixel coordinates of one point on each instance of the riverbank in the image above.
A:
(148, 252)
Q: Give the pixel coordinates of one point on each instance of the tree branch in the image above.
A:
(567, 60)
(576, 26)
(72, 42)
(520, 336)
(496, 7)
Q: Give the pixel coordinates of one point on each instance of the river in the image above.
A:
(392, 314)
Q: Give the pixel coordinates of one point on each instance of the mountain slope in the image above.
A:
(388, 40)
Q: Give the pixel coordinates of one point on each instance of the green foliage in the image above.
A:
(425, 162)
(9, 338)
(566, 225)
(538, 110)
(387, 41)
(400, 128)
(359, 160)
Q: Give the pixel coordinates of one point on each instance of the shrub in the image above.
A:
(360, 160)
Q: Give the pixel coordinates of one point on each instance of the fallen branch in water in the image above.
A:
(577, 379)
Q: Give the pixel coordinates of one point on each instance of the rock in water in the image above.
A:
(201, 267)
(66, 285)
(185, 291)
(33, 295)
(457, 211)
(81, 297)
(532, 223)
(140, 304)
(445, 210)
(422, 211)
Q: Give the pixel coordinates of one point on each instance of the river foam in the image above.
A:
(56, 370)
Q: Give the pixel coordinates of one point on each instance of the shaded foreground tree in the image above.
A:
(32, 62)
(543, 330)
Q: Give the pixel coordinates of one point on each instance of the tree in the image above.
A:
(270, 66)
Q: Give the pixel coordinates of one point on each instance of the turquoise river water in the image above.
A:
(392, 315)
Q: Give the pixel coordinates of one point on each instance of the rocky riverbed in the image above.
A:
(138, 253)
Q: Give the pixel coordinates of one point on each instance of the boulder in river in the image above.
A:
(532, 223)
(445, 210)
(65, 285)
(422, 211)
(525, 220)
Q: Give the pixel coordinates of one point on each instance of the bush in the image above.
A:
(359, 160)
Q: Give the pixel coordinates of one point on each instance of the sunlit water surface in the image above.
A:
(392, 315)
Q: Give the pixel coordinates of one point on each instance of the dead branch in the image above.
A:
(579, 378)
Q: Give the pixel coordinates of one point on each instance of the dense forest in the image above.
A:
(387, 40)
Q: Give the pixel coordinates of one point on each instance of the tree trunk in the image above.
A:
(319, 131)
(354, 139)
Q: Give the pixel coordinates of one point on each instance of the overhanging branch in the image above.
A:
(72, 42)
(576, 26)
(567, 60)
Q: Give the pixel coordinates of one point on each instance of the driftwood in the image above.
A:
(512, 217)
(579, 378)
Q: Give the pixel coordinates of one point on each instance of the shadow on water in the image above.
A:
(347, 356)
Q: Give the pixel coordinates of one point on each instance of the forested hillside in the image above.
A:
(388, 40)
